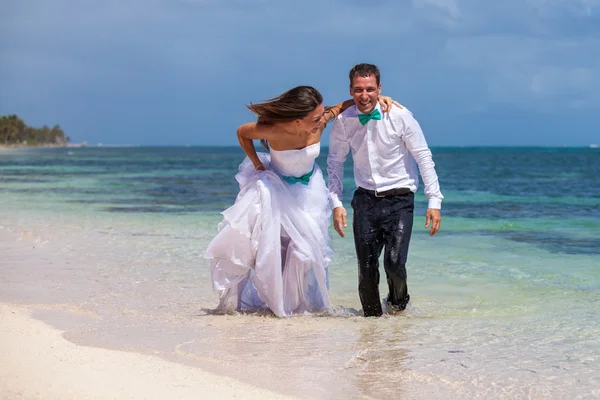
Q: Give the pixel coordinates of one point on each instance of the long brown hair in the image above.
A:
(294, 104)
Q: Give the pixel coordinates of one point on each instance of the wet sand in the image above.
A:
(38, 363)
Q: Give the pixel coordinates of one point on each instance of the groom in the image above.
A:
(384, 150)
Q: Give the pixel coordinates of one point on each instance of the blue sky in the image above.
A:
(179, 72)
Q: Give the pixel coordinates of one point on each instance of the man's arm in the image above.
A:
(338, 151)
(417, 145)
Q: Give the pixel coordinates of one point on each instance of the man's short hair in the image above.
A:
(364, 70)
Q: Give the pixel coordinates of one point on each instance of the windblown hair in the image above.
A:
(294, 104)
(364, 70)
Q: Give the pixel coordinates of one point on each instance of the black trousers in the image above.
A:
(382, 222)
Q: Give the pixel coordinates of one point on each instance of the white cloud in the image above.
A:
(533, 73)
(551, 8)
(556, 81)
(529, 53)
(449, 7)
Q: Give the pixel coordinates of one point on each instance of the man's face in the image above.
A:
(313, 121)
(364, 91)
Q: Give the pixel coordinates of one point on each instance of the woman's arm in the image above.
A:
(333, 111)
(252, 131)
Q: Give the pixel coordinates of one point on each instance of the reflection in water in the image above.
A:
(382, 355)
(309, 357)
(300, 356)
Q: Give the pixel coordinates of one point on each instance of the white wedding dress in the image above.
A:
(272, 249)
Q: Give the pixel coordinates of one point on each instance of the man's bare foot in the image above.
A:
(395, 312)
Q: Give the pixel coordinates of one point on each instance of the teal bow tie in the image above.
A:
(304, 179)
(364, 118)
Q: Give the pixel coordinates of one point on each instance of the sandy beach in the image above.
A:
(38, 363)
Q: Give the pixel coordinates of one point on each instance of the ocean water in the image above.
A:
(107, 244)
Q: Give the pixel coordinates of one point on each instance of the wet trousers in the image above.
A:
(382, 223)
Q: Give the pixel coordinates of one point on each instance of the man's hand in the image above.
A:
(433, 219)
(340, 220)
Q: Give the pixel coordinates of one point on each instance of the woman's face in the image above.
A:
(313, 121)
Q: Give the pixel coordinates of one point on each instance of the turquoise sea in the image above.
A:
(107, 244)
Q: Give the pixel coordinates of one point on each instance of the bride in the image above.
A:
(272, 247)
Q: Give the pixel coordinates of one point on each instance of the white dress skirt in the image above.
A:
(272, 249)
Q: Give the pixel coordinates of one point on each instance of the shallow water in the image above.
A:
(108, 244)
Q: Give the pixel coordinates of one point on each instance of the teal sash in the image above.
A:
(304, 179)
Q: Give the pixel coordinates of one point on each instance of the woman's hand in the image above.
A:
(386, 103)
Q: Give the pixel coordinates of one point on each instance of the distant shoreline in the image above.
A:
(41, 146)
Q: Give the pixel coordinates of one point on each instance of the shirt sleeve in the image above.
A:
(415, 142)
(338, 151)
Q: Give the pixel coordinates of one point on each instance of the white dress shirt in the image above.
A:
(384, 153)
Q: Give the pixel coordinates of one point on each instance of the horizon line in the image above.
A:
(79, 145)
